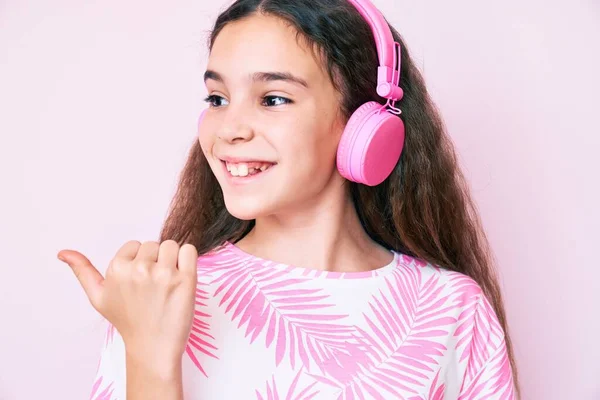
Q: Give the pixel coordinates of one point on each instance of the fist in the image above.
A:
(148, 294)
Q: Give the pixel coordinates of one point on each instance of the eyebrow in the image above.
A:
(261, 77)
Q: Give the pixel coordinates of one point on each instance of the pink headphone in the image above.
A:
(373, 138)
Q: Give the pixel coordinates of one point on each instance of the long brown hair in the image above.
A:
(424, 209)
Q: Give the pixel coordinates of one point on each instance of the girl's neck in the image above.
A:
(326, 236)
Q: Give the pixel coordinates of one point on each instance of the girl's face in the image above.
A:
(272, 128)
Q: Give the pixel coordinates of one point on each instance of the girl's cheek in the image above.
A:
(204, 144)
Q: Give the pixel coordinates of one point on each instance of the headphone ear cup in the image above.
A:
(371, 145)
(348, 138)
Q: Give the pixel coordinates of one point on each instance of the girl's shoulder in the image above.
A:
(455, 292)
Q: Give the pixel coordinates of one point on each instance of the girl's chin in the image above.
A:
(244, 210)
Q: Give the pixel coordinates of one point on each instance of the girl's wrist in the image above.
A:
(154, 366)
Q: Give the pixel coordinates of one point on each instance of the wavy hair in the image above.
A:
(423, 209)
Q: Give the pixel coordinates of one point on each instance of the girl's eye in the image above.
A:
(211, 100)
(269, 100)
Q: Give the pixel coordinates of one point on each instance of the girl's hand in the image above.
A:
(148, 295)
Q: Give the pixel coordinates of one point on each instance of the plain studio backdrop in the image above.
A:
(98, 108)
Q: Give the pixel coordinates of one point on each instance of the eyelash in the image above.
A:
(211, 98)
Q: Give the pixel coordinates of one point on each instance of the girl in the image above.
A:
(313, 281)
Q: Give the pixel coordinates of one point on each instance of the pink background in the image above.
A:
(98, 108)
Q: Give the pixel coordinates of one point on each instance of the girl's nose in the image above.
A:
(235, 132)
(235, 125)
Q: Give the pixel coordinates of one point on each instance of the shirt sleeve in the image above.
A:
(110, 378)
(488, 373)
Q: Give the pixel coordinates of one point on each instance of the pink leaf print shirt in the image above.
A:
(266, 331)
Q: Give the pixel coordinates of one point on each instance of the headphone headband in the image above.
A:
(386, 87)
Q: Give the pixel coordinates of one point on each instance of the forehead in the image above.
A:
(264, 43)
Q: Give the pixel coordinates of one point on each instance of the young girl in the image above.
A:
(330, 266)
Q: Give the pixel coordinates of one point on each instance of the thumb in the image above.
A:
(90, 279)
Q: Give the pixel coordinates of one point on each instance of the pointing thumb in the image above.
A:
(90, 279)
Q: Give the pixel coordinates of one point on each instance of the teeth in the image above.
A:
(243, 169)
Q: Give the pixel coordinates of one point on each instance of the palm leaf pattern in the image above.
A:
(101, 394)
(98, 391)
(477, 331)
(305, 393)
(401, 341)
(481, 343)
(298, 322)
(200, 339)
(492, 381)
(110, 334)
(437, 390)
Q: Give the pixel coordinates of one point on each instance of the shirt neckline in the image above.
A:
(315, 273)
